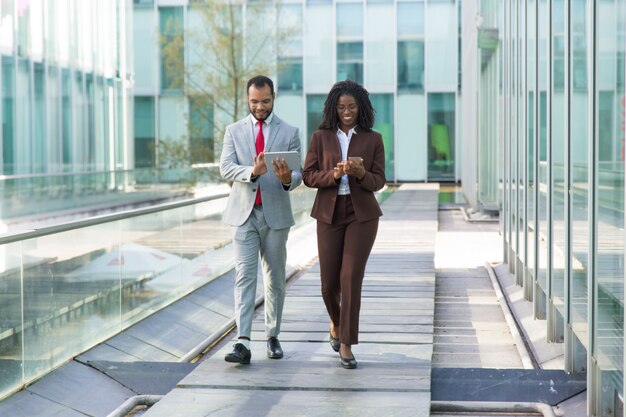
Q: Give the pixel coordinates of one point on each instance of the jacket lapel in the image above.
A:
(248, 134)
(274, 127)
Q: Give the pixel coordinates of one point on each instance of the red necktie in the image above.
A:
(260, 144)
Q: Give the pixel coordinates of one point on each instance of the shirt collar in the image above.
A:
(350, 132)
(268, 120)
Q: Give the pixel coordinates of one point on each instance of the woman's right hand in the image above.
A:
(338, 170)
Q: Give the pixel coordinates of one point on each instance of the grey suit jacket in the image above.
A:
(236, 164)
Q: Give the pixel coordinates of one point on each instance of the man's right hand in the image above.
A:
(259, 167)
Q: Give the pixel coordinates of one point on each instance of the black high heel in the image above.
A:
(334, 342)
(348, 363)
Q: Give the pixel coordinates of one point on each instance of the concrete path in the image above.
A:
(396, 334)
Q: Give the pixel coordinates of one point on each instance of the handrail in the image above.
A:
(105, 218)
(4, 177)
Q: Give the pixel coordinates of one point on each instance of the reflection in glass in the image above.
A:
(314, 113)
(608, 326)
(531, 77)
(411, 66)
(144, 132)
(350, 61)
(383, 103)
(8, 115)
(441, 134)
(11, 336)
(69, 304)
(171, 28)
(558, 250)
(542, 149)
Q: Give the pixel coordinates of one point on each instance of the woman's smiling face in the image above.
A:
(347, 111)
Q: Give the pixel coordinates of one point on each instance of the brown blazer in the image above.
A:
(323, 155)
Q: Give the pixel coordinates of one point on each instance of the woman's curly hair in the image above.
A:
(365, 119)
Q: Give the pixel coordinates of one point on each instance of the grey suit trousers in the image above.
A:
(252, 238)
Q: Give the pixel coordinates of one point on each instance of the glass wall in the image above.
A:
(579, 227)
(558, 250)
(571, 77)
(56, 42)
(608, 301)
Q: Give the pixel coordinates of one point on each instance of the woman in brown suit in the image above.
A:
(346, 163)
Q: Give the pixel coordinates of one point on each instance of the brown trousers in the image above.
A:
(343, 248)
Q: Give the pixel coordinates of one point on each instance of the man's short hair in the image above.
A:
(259, 81)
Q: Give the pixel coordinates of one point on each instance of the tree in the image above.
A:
(228, 42)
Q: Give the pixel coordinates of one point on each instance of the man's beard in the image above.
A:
(269, 111)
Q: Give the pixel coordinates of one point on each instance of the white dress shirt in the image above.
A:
(344, 142)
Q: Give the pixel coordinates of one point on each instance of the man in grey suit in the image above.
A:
(259, 211)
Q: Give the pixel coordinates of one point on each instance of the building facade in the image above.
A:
(406, 53)
(64, 96)
(547, 84)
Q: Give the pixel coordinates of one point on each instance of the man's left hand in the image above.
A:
(282, 171)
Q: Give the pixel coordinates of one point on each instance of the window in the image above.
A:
(350, 41)
(172, 49)
(144, 132)
(410, 58)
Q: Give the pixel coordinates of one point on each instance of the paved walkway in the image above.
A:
(396, 336)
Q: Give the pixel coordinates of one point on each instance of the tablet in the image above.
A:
(291, 157)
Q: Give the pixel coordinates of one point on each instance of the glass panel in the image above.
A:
(350, 61)
(145, 40)
(290, 79)
(71, 300)
(40, 150)
(379, 36)
(608, 326)
(441, 133)
(349, 20)
(559, 249)
(314, 114)
(383, 103)
(201, 129)
(289, 75)
(7, 27)
(411, 66)
(53, 130)
(23, 114)
(172, 47)
(531, 76)
(542, 148)
(410, 19)
(410, 156)
(66, 125)
(59, 31)
(521, 134)
(159, 261)
(320, 72)
(579, 173)
(8, 116)
(144, 132)
(11, 338)
(442, 48)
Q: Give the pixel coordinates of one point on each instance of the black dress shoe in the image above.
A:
(240, 354)
(348, 363)
(334, 343)
(274, 351)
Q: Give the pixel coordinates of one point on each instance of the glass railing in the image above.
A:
(68, 287)
(25, 197)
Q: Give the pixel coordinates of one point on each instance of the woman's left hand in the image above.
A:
(354, 166)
